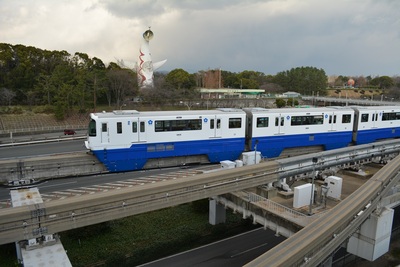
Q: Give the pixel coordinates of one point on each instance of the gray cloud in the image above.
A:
(342, 37)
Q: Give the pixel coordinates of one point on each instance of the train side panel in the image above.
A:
(128, 142)
(275, 130)
(376, 123)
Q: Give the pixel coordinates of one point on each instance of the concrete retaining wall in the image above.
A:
(54, 166)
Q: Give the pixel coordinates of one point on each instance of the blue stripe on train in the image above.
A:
(369, 136)
(135, 157)
(272, 146)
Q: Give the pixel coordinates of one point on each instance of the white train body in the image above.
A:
(274, 130)
(132, 140)
(375, 123)
(127, 140)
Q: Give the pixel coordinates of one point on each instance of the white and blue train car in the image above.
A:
(376, 123)
(129, 140)
(274, 130)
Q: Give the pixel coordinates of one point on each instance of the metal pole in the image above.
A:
(255, 152)
(314, 160)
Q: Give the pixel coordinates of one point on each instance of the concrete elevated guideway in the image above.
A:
(56, 216)
(315, 242)
(331, 101)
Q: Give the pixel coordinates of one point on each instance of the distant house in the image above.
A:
(291, 95)
(230, 93)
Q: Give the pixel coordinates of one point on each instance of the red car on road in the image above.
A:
(69, 132)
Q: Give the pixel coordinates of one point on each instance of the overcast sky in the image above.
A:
(353, 37)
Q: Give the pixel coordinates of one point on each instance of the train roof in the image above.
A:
(296, 110)
(135, 113)
(361, 108)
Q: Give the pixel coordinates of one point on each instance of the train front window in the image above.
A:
(92, 128)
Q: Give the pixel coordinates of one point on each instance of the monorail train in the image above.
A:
(128, 140)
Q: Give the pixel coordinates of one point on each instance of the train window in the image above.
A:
(309, 120)
(391, 116)
(334, 118)
(364, 117)
(134, 127)
(218, 123)
(262, 122)
(346, 118)
(235, 123)
(277, 121)
(119, 127)
(142, 127)
(212, 124)
(104, 127)
(178, 125)
(92, 128)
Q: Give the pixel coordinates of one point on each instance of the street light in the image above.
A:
(314, 160)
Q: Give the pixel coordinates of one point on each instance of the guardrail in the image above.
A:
(283, 211)
(38, 138)
(42, 129)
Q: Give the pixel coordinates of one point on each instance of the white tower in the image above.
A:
(145, 66)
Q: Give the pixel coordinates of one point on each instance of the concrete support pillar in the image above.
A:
(217, 212)
(18, 250)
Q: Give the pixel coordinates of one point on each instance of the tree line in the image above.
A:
(61, 82)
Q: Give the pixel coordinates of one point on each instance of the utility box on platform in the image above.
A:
(302, 195)
(251, 158)
(334, 185)
(227, 164)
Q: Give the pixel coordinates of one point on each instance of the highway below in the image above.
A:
(234, 252)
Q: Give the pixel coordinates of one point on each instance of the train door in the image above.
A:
(375, 119)
(280, 124)
(104, 135)
(216, 126)
(134, 124)
(142, 136)
(332, 121)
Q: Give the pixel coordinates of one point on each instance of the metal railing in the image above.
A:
(283, 211)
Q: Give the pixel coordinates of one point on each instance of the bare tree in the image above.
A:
(121, 83)
(6, 96)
